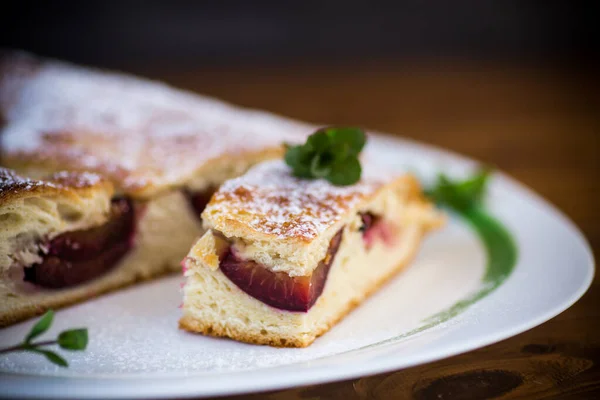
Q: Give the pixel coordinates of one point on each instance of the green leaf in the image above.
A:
(319, 169)
(73, 339)
(475, 187)
(293, 156)
(51, 356)
(330, 153)
(319, 141)
(299, 155)
(341, 151)
(346, 172)
(354, 137)
(460, 195)
(40, 327)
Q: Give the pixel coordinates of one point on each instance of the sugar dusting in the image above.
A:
(270, 200)
(11, 183)
(136, 131)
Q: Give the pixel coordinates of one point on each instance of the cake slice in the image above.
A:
(284, 259)
(163, 150)
(62, 234)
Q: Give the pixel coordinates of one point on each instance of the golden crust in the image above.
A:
(146, 137)
(268, 203)
(189, 323)
(67, 184)
(193, 325)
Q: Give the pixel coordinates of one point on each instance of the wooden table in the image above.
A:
(538, 124)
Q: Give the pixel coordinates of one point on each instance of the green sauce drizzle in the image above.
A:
(465, 199)
(501, 254)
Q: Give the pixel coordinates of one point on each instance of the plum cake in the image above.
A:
(163, 150)
(57, 236)
(283, 258)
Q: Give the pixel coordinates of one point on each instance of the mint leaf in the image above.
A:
(295, 158)
(340, 151)
(460, 195)
(330, 153)
(74, 339)
(293, 155)
(346, 173)
(319, 141)
(474, 188)
(354, 137)
(41, 326)
(319, 169)
(51, 356)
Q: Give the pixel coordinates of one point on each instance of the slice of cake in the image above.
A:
(60, 238)
(284, 259)
(164, 150)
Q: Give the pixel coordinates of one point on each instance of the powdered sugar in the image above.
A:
(75, 179)
(272, 201)
(10, 181)
(136, 131)
(13, 184)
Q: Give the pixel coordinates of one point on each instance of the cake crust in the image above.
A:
(64, 183)
(267, 203)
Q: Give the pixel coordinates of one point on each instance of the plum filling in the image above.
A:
(368, 220)
(199, 200)
(278, 289)
(375, 228)
(79, 256)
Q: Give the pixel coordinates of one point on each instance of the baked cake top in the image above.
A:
(268, 202)
(143, 135)
(13, 186)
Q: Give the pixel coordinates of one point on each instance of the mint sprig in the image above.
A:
(460, 195)
(330, 153)
(72, 339)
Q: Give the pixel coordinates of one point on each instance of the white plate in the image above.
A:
(136, 350)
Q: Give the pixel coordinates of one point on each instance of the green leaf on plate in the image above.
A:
(40, 327)
(51, 356)
(74, 339)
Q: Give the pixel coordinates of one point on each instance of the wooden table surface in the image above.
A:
(539, 124)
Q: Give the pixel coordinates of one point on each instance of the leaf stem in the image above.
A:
(25, 346)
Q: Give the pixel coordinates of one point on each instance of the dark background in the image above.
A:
(132, 34)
